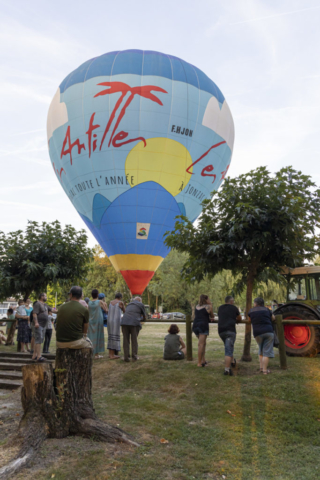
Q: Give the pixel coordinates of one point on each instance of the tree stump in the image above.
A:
(58, 403)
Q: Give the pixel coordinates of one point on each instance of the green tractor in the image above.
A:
(303, 302)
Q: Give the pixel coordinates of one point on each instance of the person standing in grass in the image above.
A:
(174, 346)
(40, 320)
(114, 318)
(23, 333)
(228, 316)
(261, 319)
(130, 324)
(104, 309)
(29, 308)
(96, 330)
(203, 316)
(48, 334)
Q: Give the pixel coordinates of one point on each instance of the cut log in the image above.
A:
(58, 403)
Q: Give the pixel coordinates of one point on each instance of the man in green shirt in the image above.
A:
(73, 322)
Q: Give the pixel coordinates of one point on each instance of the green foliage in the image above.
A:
(174, 292)
(45, 254)
(58, 292)
(255, 222)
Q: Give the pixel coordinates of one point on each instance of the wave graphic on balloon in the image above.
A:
(137, 138)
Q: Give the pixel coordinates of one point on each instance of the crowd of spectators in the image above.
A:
(80, 323)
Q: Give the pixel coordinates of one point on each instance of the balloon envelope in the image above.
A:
(137, 138)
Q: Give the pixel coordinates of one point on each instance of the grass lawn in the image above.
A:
(271, 433)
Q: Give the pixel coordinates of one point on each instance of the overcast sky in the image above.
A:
(263, 55)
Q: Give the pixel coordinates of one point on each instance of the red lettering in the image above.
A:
(121, 135)
(224, 173)
(209, 168)
(91, 128)
(204, 155)
(71, 145)
(117, 87)
(56, 171)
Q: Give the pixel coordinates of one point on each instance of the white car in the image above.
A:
(3, 313)
(174, 316)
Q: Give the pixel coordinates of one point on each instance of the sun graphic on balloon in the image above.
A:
(163, 161)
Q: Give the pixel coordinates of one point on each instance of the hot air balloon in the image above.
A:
(137, 138)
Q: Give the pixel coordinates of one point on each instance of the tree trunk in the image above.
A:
(58, 403)
(156, 303)
(246, 356)
(26, 296)
(193, 306)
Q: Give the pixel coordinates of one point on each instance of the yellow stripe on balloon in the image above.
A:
(133, 261)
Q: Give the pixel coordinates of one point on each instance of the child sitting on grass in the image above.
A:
(174, 346)
(3, 338)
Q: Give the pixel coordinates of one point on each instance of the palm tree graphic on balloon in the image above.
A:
(124, 89)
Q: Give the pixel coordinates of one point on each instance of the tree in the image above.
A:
(44, 254)
(56, 294)
(58, 403)
(253, 226)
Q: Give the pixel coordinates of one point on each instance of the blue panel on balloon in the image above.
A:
(100, 204)
(141, 62)
(118, 229)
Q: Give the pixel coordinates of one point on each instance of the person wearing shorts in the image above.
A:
(39, 334)
(174, 346)
(203, 315)
(261, 318)
(40, 320)
(228, 316)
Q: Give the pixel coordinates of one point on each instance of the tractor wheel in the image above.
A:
(300, 340)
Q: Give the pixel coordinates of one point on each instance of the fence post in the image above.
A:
(282, 347)
(189, 337)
